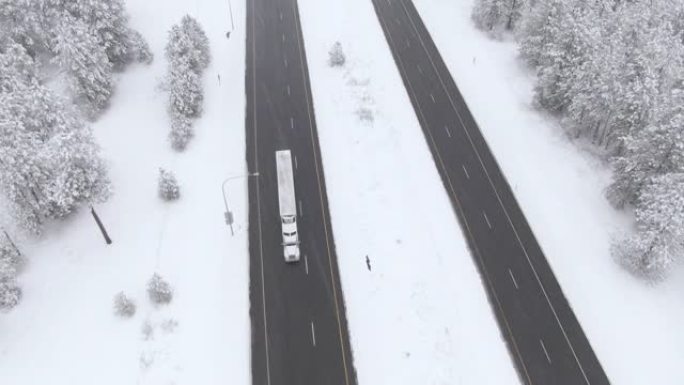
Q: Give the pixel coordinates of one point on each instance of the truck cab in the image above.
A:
(290, 239)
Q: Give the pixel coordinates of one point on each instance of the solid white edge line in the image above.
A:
(529, 261)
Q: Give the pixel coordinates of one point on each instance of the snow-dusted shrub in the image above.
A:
(169, 326)
(147, 330)
(336, 55)
(159, 291)
(124, 306)
(365, 114)
(168, 185)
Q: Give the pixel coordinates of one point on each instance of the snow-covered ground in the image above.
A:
(64, 331)
(635, 329)
(421, 315)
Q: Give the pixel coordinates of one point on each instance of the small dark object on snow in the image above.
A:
(368, 263)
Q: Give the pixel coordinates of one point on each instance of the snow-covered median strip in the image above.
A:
(634, 329)
(417, 309)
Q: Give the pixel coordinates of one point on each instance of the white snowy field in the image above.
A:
(421, 315)
(635, 329)
(64, 331)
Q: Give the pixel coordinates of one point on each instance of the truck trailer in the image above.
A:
(288, 205)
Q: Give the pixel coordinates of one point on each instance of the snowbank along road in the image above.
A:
(543, 334)
(299, 331)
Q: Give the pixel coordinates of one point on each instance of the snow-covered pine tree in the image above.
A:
(84, 58)
(653, 151)
(159, 291)
(49, 162)
(336, 57)
(188, 43)
(108, 22)
(200, 44)
(24, 23)
(181, 131)
(10, 294)
(188, 53)
(138, 49)
(560, 46)
(185, 91)
(79, 174)
(659, 239)
(169, 190)
(18, 68)
(538, 29)
(34, 24)
(10, 262)
(495, 16)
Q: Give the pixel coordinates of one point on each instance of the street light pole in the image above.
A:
(232, 24)
(229, 214)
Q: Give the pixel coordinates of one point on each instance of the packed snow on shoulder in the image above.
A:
(634, 328)
(416, 306)
(92, 313)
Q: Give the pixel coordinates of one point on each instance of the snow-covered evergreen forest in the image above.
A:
(612, 72)
(58, 60)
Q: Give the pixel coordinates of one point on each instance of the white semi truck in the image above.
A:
(288, 205)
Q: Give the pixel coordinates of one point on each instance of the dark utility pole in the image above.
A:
(99, 224)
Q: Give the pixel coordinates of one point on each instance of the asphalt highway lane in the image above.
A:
(543, 335)
(299, 329)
